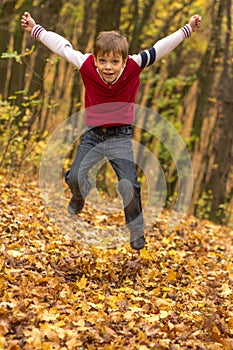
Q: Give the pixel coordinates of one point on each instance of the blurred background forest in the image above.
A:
(192, 87)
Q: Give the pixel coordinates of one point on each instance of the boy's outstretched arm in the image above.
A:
(53, 41)
(164, 46)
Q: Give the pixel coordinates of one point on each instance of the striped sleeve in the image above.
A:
(187, 31)
(148, 57)
(36, 31)
(162, 47)
(59, 45)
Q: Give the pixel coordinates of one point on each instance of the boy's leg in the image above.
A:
(89, 152)
(130, 191)
(122, 160)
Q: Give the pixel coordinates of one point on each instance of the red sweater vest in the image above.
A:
(110, 104)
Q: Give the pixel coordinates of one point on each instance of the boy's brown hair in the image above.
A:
(111, 41)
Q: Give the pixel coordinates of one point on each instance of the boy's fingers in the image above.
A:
(24, 20)
(26, 16)
(196, 21)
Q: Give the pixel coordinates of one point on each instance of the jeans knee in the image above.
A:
(127, 190)
(79, 186)
(71, 179)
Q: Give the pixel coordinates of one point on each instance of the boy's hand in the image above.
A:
(27, 22)
(195, 22)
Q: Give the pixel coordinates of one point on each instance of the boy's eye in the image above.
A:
(103, 60)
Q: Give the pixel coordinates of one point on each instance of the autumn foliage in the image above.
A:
(55, 294)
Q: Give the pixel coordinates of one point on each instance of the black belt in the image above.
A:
(112, 129)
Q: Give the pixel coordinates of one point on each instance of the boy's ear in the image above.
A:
(95, 61)
(124, 62)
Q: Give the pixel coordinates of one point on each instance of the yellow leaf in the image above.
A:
(146, 254)
(131, 324)
(85, 307)
(48, 315)
(46, 346)
(128, 315)
(14, 253)
(230, 323)
(2, 342)
(152, 318)
(171, 276)
(34, 337)
(98, 306)
(80, 325)
(101, 296)
(4, 327)
(135, 309)
(163, 314)
(81, 284)
(73, 343)
(226, 290)
(180, 328)
(61, 323)
(143, 347)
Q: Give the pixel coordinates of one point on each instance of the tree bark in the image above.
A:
(212, 126)
(6, 10)
(108, 15)
(223, 129)
(82, 41)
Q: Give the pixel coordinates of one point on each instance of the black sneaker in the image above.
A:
(76, 205)
(137, 240)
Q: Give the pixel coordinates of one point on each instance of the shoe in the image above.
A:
(75, 205)
(137, 240)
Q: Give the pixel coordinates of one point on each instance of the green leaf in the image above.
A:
(9, 54)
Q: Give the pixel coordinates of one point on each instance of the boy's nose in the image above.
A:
(108, 65)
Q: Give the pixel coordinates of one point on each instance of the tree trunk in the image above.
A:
(17, 73)
(77, 88)
(47, 16)
(223, 129)
(212, 126)
(207, 72)
(139, 24)
(108, 15)
(6, 10)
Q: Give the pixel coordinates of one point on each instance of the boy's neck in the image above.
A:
(113, 82)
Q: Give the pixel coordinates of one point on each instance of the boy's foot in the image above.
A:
(137, 240)
(76, 205)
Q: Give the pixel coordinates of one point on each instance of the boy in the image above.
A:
(111, 80)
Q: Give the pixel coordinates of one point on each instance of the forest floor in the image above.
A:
(176, 293)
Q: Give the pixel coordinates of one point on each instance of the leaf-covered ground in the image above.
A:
(55, 294)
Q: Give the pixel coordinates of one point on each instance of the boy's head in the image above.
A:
(111, 41)
(110, 53)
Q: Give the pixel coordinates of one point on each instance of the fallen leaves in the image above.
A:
(57, 294)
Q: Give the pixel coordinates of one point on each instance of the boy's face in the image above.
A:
(109, 65)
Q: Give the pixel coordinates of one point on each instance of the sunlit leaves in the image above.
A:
(176, 294)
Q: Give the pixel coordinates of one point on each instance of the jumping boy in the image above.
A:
(111, 79)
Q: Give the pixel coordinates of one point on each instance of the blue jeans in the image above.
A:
(115, 144)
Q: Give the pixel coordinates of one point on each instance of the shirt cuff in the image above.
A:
(187, 31)
(36, 31)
